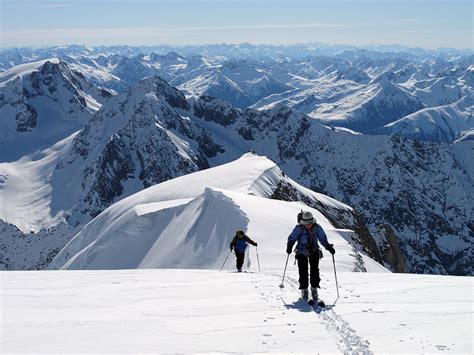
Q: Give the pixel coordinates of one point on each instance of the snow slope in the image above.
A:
(26, 189)
(202, 311)
(372, 107)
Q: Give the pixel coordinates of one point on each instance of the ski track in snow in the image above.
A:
(348, 340)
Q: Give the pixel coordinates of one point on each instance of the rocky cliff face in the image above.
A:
(31, 251)
(390, 249)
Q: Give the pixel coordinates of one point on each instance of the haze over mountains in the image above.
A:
(387, 133)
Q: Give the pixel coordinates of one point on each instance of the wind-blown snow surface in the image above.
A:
(184, 311)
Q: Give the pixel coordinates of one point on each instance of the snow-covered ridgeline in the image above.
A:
(168, 226)
(438, 124)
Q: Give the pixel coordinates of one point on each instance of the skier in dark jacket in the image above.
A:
(307, 233)
(239, 243)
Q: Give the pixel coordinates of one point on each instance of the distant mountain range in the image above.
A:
(360, 89)
(114, 136)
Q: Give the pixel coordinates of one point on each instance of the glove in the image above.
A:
(256, 244)
(289, 249)
(331, 249)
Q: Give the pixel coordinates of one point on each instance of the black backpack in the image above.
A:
(299, 217)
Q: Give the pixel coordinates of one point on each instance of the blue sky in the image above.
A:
(420, 23)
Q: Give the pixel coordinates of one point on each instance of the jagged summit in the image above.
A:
(40, 104)
(158, 86)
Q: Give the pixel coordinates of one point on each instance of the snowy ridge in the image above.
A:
(182, 235)
(23, 70)
(166, 226)
(369, 108)
(439, 124)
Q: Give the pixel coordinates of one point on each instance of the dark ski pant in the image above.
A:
(303, 270)
(240, 258)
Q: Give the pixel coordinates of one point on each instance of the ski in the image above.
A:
(319, 303)
(316, 303)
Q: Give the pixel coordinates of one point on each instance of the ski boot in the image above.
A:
(305, 295)
(314, 298)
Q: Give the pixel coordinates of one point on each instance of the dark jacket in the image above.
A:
(240, 244)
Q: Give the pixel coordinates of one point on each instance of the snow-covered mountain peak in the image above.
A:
(160, 87)
(25, 69)
(41, 104)
(214, 109)
(370, 107)
(173, 57)
(142, 140)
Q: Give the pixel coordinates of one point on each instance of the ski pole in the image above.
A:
(230, 251)
(284, 272)
(258, 260)
(335, 276)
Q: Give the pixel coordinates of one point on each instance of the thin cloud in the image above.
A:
(65, 35)
(164, 30)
